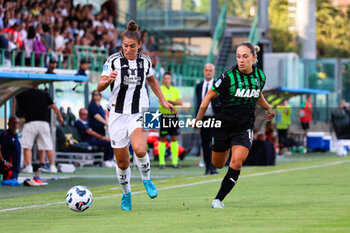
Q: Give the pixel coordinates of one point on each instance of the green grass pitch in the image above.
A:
(302, 193)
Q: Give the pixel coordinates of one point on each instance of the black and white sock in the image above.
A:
(144, 166)
(124, 179)
(228, 183)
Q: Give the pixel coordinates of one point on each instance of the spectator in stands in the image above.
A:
(52, 65)
(48, 40)
(207, 133)
(33, 105)
(173, 96)
(144, 35)
(112, 8)
(39, 47)
(93, 138)
(10, 153)
(4, 45)
(283, 113)
(152, 45)
(60, 43)
(84, 66)
(28, 44)
(97, 115)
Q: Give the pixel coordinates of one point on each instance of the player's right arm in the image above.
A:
(105, 81)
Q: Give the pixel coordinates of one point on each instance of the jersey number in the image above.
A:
(250, 135)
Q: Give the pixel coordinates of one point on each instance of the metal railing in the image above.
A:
(218, 33)
(254, 34)
(96, 56)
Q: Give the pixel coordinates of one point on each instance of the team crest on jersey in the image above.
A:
(132, 72)
(140, 64)
(257, 83)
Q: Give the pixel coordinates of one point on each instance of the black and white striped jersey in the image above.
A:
(129, 94)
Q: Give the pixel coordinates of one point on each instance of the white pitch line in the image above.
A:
(190, 184)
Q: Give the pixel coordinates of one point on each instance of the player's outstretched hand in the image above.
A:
(269, 115)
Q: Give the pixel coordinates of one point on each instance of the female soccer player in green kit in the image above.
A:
(240, 89)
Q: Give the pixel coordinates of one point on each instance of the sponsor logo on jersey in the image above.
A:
(132, 79)
(247, 93)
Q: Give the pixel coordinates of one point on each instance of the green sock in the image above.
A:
(174, 148)
(161, 153)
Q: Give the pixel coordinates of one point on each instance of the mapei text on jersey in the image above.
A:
(247, 93)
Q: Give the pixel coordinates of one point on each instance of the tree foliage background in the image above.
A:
(332, 29)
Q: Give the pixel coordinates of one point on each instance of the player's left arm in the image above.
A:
(264, 104)
(158, 92)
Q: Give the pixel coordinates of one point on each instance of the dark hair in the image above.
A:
(31, 32)
(253, 49)
(132, 31)
(46, 28)
(166, 73)
(93, 93)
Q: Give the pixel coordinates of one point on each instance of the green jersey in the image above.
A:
(238, 93)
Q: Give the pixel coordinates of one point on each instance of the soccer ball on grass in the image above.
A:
(79, 198)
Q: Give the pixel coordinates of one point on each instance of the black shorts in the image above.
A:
(224, 140)
(305, 125)
(169, 125)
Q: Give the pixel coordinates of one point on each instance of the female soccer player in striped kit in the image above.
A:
(126, 72)
(240, 88)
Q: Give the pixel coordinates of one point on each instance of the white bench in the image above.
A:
(83, 158)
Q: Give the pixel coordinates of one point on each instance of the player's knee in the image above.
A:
(123, 164)
(139, 150)
(218, 164)
(237, 165)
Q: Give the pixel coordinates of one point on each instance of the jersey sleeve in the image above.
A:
(221, 84)
(263, 79)
(107, 68)
(149, 70)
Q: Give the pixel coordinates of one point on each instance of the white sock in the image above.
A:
(124, 179)
(144, 166)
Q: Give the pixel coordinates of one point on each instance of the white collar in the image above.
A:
(210, 82)
(84, 122)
